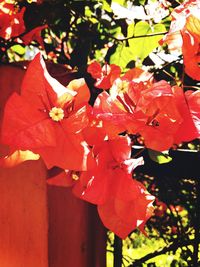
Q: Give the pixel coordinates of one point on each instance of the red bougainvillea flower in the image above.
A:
(112, 114)
(191, 47)
(193, 100)
(34, 35)
(11, 20)
(122, 217)
(179, 16)
(123, 203)
(116, 108)
(138, 75)
(104, 75)
(187, 104)
(157, 116)
(150, 111)
(131, 84)
(94, 133)
(46, 119)
(184, 34)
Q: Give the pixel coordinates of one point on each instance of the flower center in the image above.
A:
(57, 114)
(122, 86)
(75, 175)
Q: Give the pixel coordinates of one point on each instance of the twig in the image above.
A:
(171, 247)
(191, 86)
(139, 152)
(136, 36)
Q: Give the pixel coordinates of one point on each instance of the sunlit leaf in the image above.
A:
(142, 47)
(106, 6)
(18, 49)
(159, 157)
(131, 30)
(139, 48)
(122, 56)
(120, 2)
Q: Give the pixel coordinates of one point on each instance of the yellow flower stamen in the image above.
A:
(75, 176)
(122, 86)
(57, 114)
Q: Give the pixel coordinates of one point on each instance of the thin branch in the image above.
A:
(171, 247)
(191, 86)
(139, 152)
(178, 149)
(137, 36)
(168, 74)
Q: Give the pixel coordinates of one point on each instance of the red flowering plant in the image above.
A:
(13, 28)
(93, 144)
(104, 75)
(12, 23)
(184, 34)
(47, 119)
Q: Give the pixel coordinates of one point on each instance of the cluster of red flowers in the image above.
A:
(184, 34)
(92, 144)
(12, 24)
(161, 114)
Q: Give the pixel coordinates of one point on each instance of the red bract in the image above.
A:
(34, 35)
(138, 75)
(157, 118)
(179, 16)
(193, 100)
(187, 130)
(116, 109)
(94, 133)
(191, 47)
(123, 203)
(45, 120)
(185, 33)
(150, 111)
(104, 75)
(112, 114)
(11, 21)
(123, 217)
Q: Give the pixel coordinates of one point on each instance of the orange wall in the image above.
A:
(23, 216)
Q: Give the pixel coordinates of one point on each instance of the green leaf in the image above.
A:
(120, 2)
(88, 12)
(142, 2)
(106, 6)
(18, 49)
(122, 56)
(159, 157)
(130, 30)
(141, 47)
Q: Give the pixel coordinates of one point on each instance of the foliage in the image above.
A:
(139, 87)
